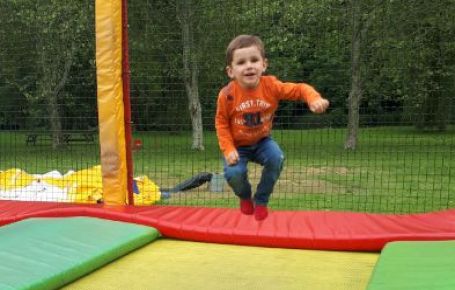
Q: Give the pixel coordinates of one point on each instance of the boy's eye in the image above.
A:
(242, 61)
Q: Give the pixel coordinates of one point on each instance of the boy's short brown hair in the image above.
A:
(243, 41)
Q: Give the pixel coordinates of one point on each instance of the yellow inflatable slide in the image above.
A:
(83, 186)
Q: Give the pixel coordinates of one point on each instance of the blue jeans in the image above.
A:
(266, 153)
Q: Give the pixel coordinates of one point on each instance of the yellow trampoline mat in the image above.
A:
(170, 264)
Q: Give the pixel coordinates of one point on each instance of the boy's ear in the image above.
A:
(266, 64)
(229, 72)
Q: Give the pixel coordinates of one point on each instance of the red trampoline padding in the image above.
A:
(345, 231)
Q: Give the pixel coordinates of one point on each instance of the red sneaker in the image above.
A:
(246, 206)
(261, 212)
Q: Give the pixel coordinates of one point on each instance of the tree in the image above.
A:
(433, 62)
(356, 83)
(55, 31)
(185, 14)
(408, 63)
(362, 17)
(60, 27)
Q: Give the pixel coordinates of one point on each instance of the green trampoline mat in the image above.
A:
(47, 253)
(415, 265)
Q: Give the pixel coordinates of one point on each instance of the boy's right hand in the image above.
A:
(319, 106)
(232, 158)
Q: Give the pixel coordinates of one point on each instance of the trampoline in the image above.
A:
(173, 264)
(284, 261)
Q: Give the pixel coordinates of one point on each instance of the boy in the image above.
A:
(243, 121)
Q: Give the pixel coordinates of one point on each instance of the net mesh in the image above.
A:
(403, 158)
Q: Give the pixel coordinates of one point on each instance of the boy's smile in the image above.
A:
(247, 66)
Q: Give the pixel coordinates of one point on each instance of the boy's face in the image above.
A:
(247, 66)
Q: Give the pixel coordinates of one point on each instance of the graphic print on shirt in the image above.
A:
(252, 113)
(252, 119)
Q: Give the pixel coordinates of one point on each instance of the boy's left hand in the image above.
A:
(319, 106)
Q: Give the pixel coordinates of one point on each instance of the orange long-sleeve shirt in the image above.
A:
(245, 116)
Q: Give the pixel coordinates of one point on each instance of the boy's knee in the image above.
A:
(234, 173)
(275, 161)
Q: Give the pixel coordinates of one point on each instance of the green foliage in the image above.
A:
(49, 48)
(408, 61)
(407, 57)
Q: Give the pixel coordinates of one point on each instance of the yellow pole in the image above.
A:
(108, 18)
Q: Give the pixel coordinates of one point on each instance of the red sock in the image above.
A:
(246, 206)
(260, 212)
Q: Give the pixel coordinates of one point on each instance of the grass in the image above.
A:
(394, 169)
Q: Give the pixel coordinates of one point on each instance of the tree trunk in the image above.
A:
(55, 121)
(191, 73)
(54, 80)
(355, 94)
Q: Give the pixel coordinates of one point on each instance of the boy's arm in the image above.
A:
(223, 129)
(301, 92)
